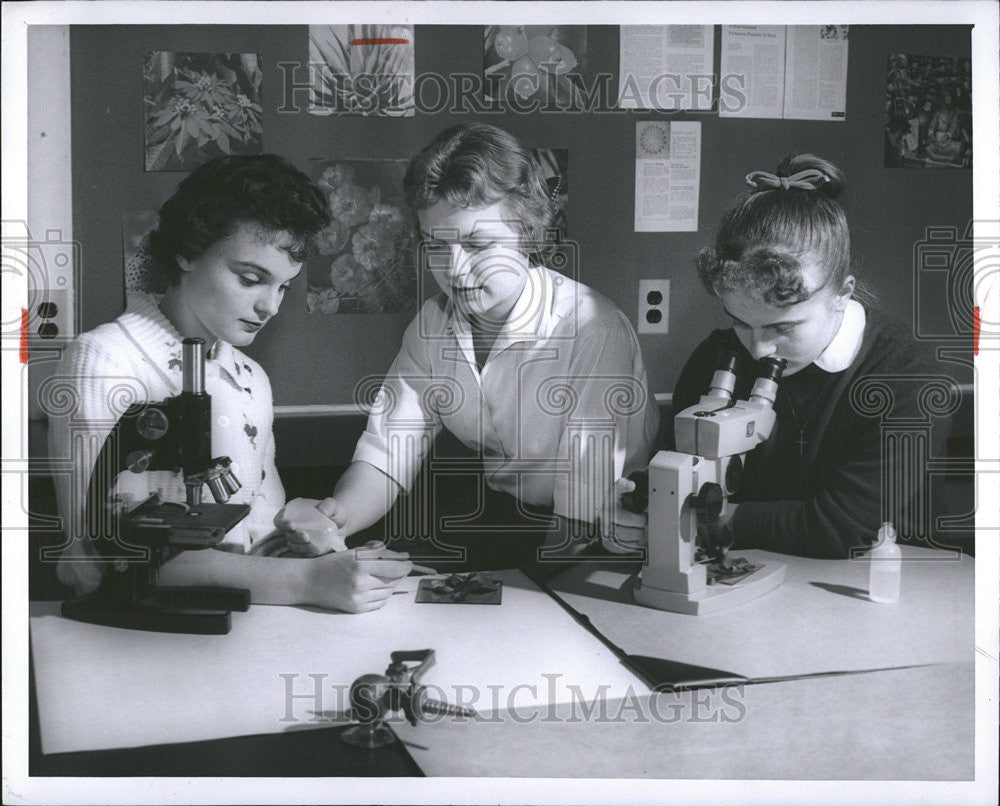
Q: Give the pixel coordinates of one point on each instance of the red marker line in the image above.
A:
(380, 41)
(24, 335)
(975, 330)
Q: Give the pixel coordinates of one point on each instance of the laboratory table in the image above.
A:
(552, 677)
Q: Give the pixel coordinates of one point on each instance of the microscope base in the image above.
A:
(195, 611)
(714, 597)
(368, 737)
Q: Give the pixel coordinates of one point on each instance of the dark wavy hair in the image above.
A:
(215, 199)
(764, 235)
(477, 165)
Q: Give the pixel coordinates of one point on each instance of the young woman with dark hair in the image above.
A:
(228, 244)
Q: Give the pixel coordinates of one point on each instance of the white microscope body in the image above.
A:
(692, 485)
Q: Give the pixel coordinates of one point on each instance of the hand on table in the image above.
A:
(627, 530)
(717, 538)
(308, 530)
(355, 580)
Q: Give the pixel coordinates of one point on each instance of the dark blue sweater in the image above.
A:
(866, 444)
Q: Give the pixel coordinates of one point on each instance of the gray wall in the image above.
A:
(319, 359)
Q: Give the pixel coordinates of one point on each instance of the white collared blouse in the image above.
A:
(560, 410)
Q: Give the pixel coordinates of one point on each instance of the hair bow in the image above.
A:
(809, 179)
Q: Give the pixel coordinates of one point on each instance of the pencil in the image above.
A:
(373, 554)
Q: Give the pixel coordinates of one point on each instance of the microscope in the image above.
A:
(174, 434)
(687, 492)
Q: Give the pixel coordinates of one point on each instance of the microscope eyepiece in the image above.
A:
(724, 379)
(771, 368)
(765, 388)
(727, 361)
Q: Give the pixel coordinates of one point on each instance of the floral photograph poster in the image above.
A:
(361, 70)
(533, 66)
(366, 260)
(200, 105)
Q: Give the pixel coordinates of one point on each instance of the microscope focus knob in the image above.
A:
(138, 461)
(734, 474)
(709, 502)
(152, 424)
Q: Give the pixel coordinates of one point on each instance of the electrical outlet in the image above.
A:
(654, 306)
(49, 265)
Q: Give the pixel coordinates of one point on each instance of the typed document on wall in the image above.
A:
(794, 72)
(816, 72)
(666, 67)
(752, 71)
(667, 176)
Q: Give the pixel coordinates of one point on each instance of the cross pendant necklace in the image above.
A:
(801, 441)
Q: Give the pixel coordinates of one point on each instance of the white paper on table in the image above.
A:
(667, 176)
(818, 621)
(816, 72)
(666, 66)
(752, 71)
(288, 668)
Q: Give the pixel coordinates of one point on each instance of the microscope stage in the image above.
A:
(713, 597)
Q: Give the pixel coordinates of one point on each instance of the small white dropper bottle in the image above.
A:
(884, 567)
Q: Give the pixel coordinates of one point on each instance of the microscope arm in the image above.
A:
(688, 490)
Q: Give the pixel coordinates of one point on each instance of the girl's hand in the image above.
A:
(307, 530)
(355, 581)
(627, 530)
(718, 536)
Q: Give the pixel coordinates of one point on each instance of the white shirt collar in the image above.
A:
(529, 319)
(841, 352)
(146, 307)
